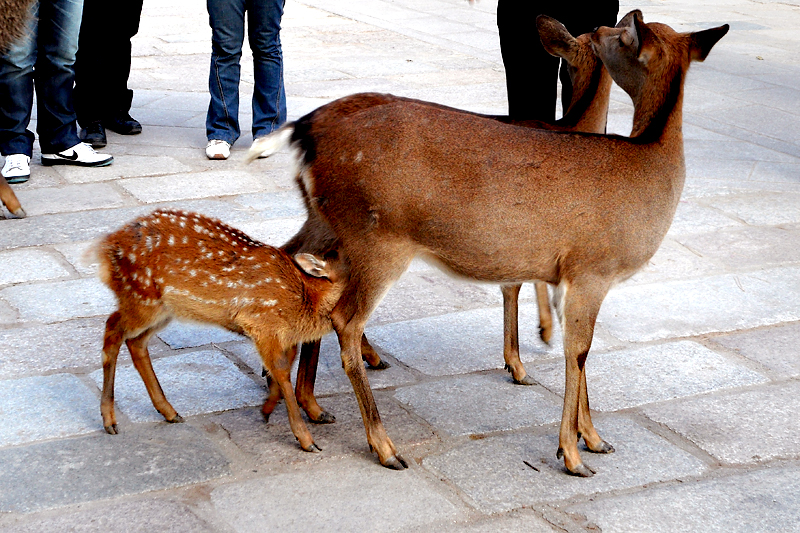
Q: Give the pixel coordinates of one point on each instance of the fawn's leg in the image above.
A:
(545, 316)
(273, 398)
(279, 365)
(112, 340)
(511, 334)
(143, 364)
(582, 301)
(372, 358)
(304, 390)
(9, 200)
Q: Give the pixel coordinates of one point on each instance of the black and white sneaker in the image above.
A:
(81, 155)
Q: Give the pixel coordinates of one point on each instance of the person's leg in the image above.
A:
(16, 92)
(531, 73)
(269, 95)
(59, 26)
(226, 18)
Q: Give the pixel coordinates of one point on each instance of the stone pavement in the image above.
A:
(693, 373)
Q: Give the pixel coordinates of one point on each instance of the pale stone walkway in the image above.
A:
(693, 373)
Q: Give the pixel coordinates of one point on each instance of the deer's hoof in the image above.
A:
(395, 462)
(177, 419)
(603, 448)
(527, 380)
(581, 470)
(19, 213)
(383, 365)
(324, 418)
(112, 429)
(545, 334)
(313, 448)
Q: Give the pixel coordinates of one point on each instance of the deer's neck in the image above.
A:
(589, 112)
(658, 114)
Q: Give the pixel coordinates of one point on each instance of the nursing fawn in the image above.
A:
(173, 264)
(500, 203)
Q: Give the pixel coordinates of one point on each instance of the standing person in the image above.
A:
(44, 58)
(531, 73)
(227, 19)
(102, 68)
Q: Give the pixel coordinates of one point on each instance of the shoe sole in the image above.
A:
(51, 162)
(134, 131)
(95, 144)
(18, 179)
(217, 157)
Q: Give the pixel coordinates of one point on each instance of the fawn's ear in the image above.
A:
(703, 41)
(555, 38)
(312, 265)
(627, 20)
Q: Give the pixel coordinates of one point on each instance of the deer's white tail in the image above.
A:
(269, 144)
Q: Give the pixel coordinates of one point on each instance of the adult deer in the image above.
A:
(587, 112)
(500, 203)
(176, 264)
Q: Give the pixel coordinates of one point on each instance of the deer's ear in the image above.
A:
(627, 20)
(645, 38)
(311, 265)
(703, 41)
(555, 38)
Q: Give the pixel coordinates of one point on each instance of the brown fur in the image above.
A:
(587, 112)
(505, 204)
(177, 264)
(14, 18)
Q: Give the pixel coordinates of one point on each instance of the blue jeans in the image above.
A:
(44, 59)
(227, 18)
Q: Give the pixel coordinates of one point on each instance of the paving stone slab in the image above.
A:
(192, 334)
(46, 407)
(330, 374)
(194, 383)
(747, 248)
(628, 378)
(691, 218)
(284, 204)
(125, 166)
(71, 198)
(61, 300)
(22, 266)
(716, 303)
(350, 496)
(738, 427)
(520, 521)
(674, 261)
(480, 404)
(132, 517)
(38, 349)
(272, 444)
(763, 500)
(193, 185)
(777, 348)
(493, 472)
(64, 472)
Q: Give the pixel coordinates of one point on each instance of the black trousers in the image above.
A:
(531, 73)
(103, 62)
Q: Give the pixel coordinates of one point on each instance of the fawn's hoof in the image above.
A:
(19, 213)
(383, 365)
(112, 429)
(603, 448)
(395, 462)
(527, 380)
(324, 418)
(545, 334)
(177, 419)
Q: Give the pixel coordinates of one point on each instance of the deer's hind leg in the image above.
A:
(112, 340)
(304, 390)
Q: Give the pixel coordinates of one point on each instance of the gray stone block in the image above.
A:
(493, 471)
(747, 247)
(71, 198)
(132, 517)
(673, 261)
(777, 348)
(193, 185)
(61, 300)
(691, 218)
(274, 205)
(480, 404)
(125, 166)
(762, 209)
(39, 349)
(192, 334)
(22, 266)
(694, 307)
(350, 496)
(628, 378)
(738, 427)
(763, 500)
(46, 407)
(194, 383)
(521, 521)
(65, 472)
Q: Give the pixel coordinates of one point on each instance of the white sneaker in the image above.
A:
(81, 154)
(217, 149)
(17, 168)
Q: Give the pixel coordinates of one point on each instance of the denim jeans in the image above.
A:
(44, 59)
(227, 19)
